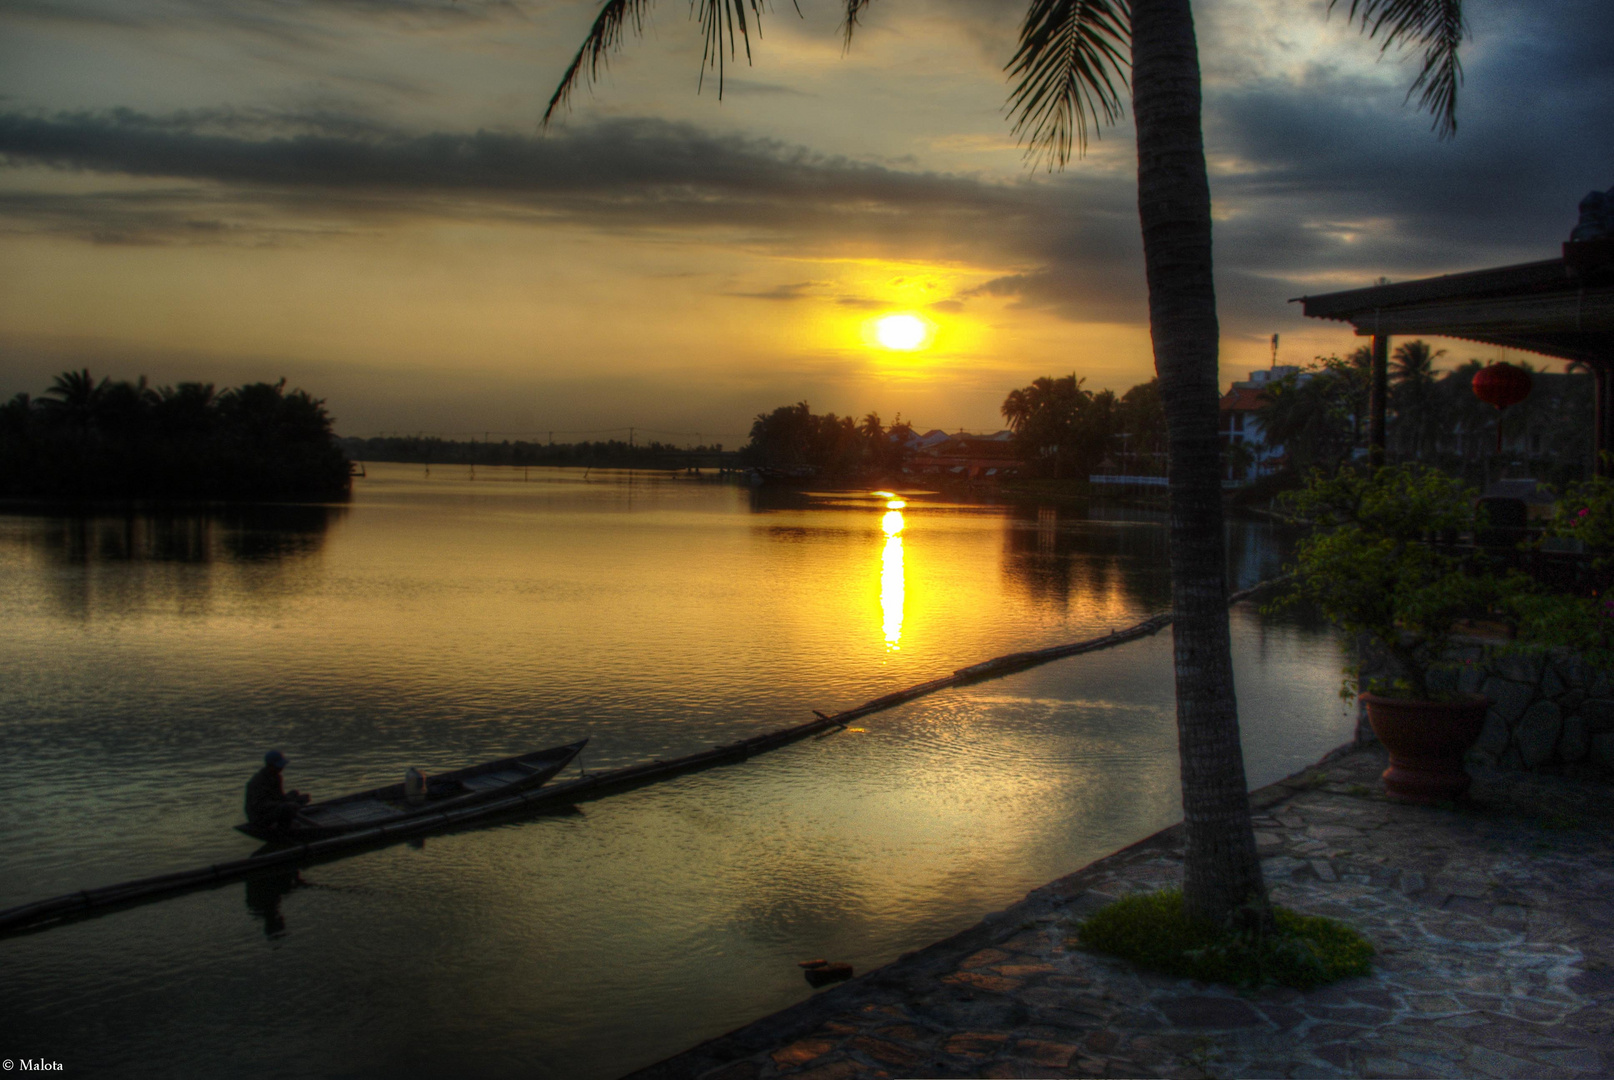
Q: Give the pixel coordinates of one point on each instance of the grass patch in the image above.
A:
(1151, 931)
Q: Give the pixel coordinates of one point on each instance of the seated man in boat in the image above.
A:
(267, 804)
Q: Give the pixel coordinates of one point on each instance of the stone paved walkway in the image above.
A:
(1492, 922)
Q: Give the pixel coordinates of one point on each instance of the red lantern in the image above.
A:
(1501, 385)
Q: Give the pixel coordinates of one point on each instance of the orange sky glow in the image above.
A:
(359, 198)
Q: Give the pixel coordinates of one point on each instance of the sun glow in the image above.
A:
(903, 333)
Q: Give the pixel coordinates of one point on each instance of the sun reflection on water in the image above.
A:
(893, 585)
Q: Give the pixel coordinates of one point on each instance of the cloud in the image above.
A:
(1322, 178)
(637, 171)
(1334, 169)
(1080, 292)
(741, 87)
(284, 20)
(797, 290)
(269, 178)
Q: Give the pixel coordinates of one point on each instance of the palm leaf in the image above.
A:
(1070, 72)
(854, 8)
(719, 19)
(1435, 25)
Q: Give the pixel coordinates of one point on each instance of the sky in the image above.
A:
(357, 196)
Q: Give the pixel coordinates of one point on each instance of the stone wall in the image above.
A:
(1546, 710)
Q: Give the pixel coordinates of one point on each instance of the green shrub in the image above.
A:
(1367, 566)
(1585, 512)
(1151, 930)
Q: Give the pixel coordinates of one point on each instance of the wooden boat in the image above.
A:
(444, 792)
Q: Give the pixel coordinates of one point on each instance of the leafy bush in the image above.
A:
(1566, 620)
(1152, 931)
(1370, 568)
(1550, 621)
(1585, 512)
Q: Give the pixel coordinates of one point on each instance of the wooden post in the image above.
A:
(1377, 396)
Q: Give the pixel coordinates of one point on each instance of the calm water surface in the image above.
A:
(146, 664)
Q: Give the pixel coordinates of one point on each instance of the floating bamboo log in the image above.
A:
(45, 913)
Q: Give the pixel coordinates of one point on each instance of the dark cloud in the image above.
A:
(287, 177)
(283, 19)
(1333, 180)
(740, 87)
(1094, 291)
(154, 217)
(797, 290)
(624, 165)
(1536, 120)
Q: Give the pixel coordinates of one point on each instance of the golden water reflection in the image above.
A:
(893, 583)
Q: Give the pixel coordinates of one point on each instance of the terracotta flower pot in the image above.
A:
(1426, 741)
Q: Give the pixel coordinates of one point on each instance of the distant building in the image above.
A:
(1241, 424)
(966, 455)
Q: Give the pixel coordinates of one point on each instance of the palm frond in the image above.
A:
(854, 8)
(1069, 72)
(719, 19)
(1437, 27)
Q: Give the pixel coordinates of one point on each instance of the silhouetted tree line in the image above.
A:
(88, 440)
(1319, 416)
(610, 454)
(792, 438)
(1063, 430)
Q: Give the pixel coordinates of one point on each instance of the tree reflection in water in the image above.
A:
(178, 553)
(1064, 556)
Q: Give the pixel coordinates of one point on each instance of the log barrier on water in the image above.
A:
(43, 913)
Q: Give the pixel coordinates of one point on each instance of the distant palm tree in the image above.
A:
(1017, 408)
(1298, 416)
(187, 409)
(871, 427)
(74, 399)
(1057, 420)
(1316, 415)
(1237, 458)
(1418, 413)
(1070, 73)
(1469, 424)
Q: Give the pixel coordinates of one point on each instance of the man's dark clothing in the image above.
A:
(267, 802)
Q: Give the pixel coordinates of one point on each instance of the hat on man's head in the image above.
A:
(275, 758)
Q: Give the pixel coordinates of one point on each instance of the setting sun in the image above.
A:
(902, 332)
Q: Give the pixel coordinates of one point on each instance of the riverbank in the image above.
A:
(1490, 919)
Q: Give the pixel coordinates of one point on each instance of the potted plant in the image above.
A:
(1373, 567)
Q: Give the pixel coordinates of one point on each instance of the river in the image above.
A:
(439, 619)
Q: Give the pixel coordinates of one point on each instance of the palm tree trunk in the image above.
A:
(1221, 871)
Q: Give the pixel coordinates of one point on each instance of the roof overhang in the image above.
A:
(1558, 307)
